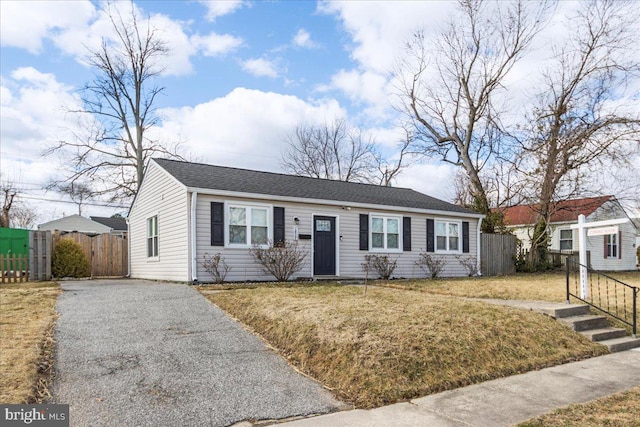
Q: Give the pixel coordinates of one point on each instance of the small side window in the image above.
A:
(152, 237)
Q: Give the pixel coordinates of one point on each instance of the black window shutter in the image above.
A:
(465, 236)
(217, 224)
(619, 244)
(278, 225)
(406, 233)
(364, 232)
(606, 248)
(431, 235)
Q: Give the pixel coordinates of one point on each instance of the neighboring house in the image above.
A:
(609, 253)
(75, 223)
(93, 225)
(185, 210)
(118, 226)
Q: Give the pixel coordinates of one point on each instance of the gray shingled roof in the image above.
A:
(118, 224)
(198, 175)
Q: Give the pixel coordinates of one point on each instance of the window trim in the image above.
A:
(248, 206)
(154, 256)
(447, 221)
(385, 216)
(560, 239)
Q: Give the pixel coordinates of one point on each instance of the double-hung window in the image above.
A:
(448, 236)
(385, 232)
(566, 240)
(152, 237)
(248, 225)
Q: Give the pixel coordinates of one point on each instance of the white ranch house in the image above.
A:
(186, 210)
(615, 252)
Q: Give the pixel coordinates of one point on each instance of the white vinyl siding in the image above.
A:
(350, 258)
(162, 196)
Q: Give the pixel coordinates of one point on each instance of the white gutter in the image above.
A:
(226, 193)
(192, 232)
(478, 254)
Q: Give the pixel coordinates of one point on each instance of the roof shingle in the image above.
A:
(198, 175)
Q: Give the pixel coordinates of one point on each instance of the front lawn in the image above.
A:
(535, 287)
(392, 345)
(27, 317)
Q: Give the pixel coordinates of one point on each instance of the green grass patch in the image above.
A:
(391, 345)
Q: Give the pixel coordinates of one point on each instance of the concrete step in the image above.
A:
(585, 322)
(566, 311)
(604, 334)
(621, 344)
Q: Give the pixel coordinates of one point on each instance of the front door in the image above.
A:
(324, 245)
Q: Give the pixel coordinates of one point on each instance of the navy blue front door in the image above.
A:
(324, 245)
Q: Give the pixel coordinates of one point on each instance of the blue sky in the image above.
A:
(241, 75)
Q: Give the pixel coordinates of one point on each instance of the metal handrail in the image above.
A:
(633, 323)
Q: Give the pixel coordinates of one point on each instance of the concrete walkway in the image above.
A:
(136, 353)
(506, 401)
(502, 402)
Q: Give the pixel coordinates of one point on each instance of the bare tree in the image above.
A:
(23, 216)
(79, 192)
(15, 213)
(580, 122)
(118, 109)
(330, 151)
(8, 197)
(338, 151)
(448, 85)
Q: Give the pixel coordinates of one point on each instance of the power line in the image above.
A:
(104, 205)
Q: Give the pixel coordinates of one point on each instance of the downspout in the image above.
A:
(478, 260)
(192, 233)
(128, 249)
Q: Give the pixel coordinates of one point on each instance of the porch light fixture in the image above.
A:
(296, 220)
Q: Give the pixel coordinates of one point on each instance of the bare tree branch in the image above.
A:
(118, 110)
(447, 85)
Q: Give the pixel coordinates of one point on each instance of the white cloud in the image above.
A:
(215, 44)
(246, 128)
(303, 39)
(33, 116)
(24, 24)
(221, 7)
(434, 179)
(260, 67)
(75, 26)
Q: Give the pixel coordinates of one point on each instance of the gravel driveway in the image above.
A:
(140, 353)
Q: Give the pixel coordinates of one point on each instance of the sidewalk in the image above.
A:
(501, 402)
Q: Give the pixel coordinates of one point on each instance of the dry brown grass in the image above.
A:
(393, 345)
(536, 287)
(27, 316)
(618, 410)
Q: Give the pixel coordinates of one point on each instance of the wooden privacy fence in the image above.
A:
(497, 254)
(14, 268)
(107, 253)
(40, 250)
